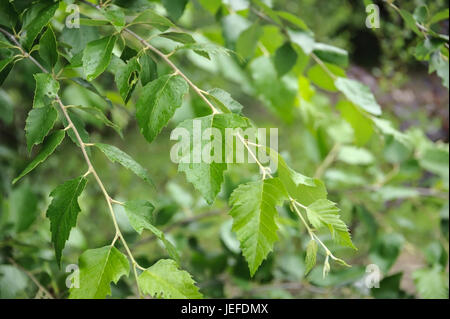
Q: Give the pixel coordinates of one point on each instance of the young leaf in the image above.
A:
(225, 101)
(96, 56)
(127, 78)
(46, 90)
(285, 59)
(34, 20)
(116, 155)
(207, 177)
(39, 122)
(158, 103)
(63, 212)
(253, 215)
(149, 70)
(165, 280)
(47, 47)
(175, 8)
(359, 94)
(311, 254)
(49, 146)
(139, 214)
(324, 213)
(98, 268)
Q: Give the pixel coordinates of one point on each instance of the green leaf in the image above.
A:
(435, 160)
(127, 78)
(431, 283)
(12, 281)
(23, 207)
(158, 102)
(285, 59)
(165, 280)
(6, 108)
(386, 249)
(39, 122)
(6, 66)
(278, 94)
(322, 79)
(116, 16)
(49, 146)
(359, 94)
(248, 41)
(441, 66)
(331, 54)
(421, 14)
(225, 101)
(48, 48)
(46, 90)
(89, 86)
(116, 155)
(211, 5)
(149, 70)
(79, 125)
(361, 124)
(96, 56)
(410, 21)
(324, 213)
(8, 16)
(99, 115)
(152, 18)
(253, 215)
(387, 128)
(140, 215)
(63, 212)
(303, 39)
(207, 177)
(175, 8)
(178, 37)
(305, 190)
(98, 268)
(35, 19)
(441, 15)
(311, 255)
(293, 19)
(355, 155)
